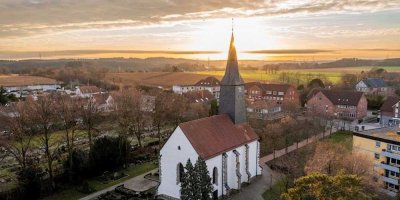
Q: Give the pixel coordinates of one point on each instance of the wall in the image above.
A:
(318, 104)
(170, 157)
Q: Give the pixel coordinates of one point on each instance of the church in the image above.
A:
(226, 142)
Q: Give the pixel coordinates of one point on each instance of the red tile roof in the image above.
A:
(269, 87)
(389, 103)
(217, 134)
(89, 89)
(339, 97)
(199, 96)
(209, 81)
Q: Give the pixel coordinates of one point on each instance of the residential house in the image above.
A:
(210, 83)
(390, 111)
(104, 101)
(342, 104)
(201, 96)
(374, 86)
(279, 93)
(262, 109)
(382, 147)
(86, 91)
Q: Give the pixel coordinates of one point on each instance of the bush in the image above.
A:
(108, 154)
(375, 101)
(29, 180)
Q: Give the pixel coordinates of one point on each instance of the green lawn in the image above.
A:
(274, 192)
(331, 74)
(342, 137)
(262, 76)
(72, 192)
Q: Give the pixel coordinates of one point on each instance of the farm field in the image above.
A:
(331, 74)
(19, 80)
(163, 79)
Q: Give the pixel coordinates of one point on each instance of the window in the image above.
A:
(179, 173)
(377, 156)
(179, 147)
(215, 176)
(377, 144)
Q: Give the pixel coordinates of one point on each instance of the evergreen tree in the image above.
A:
(187, 184)
(204, 185)
(196, 182)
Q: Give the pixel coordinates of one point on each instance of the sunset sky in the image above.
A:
(200, 29)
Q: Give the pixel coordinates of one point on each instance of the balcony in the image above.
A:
(390, 154)
(389, 167)
(390, 180)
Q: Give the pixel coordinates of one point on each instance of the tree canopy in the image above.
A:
(321, 186)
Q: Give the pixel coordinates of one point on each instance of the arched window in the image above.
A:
(215, 176)
(179, 173)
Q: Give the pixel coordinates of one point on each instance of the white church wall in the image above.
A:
(216, 162)
(170, 157)
(254, 166)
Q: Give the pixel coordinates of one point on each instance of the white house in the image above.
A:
(374, 86)
(210, 83)
(226, 142)
(86, 91)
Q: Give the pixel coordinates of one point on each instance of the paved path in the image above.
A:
(258, 186)
(279, 153)
(138, 183)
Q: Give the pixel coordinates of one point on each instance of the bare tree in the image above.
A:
(131, 113)
(90, 114)
(68, 115)
(160, 113)
(22, 131)
(43, 113)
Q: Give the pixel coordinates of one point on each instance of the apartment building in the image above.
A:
(279, 93)
(343, 104)
(210, 83)
(382, 146)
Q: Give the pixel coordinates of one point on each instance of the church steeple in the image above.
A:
(232, 76)
(231, 100)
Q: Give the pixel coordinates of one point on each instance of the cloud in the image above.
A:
(28, 54)
(20, 18)
(290, 51)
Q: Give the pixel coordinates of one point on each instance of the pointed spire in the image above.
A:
(232, 76)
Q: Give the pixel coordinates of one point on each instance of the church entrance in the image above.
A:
(215, 195)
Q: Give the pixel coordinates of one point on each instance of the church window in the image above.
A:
(215, 176)
(179, 173)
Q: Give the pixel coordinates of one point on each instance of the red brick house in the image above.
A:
(343, 104)
(279, 93)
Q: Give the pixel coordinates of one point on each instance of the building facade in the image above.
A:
(341, 104)
(374, 86)
(210, 83)
(382, 148)
(279, 93)
(390, 112)
(226, 142)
